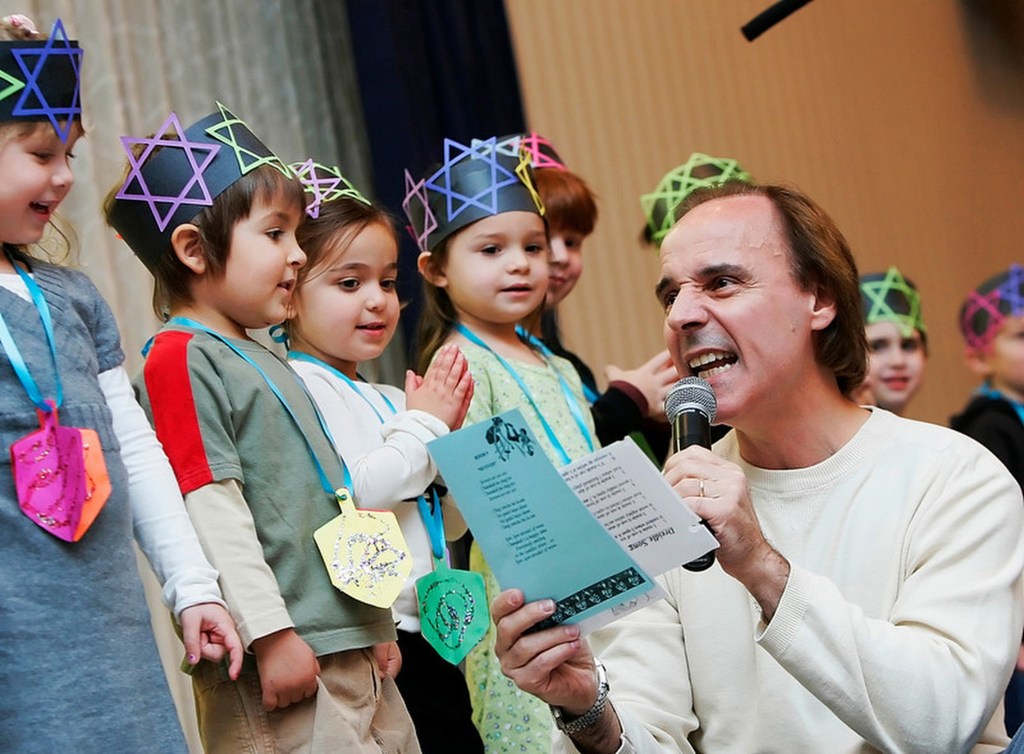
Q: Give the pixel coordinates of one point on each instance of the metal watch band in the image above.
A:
(591, 716)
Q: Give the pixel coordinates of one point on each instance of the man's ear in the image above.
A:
(188, 247)
(977, 361)
(823, 310)
(428, 269)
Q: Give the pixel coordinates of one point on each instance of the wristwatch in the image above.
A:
(569, 726)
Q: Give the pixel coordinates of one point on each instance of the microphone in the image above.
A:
(690, 407)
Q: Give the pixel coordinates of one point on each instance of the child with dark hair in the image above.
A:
(992, 324)
(213, 214)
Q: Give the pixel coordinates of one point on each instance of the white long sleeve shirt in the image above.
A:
(389, 463)
(897, 630)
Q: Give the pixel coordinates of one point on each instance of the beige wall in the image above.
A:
(904, 119)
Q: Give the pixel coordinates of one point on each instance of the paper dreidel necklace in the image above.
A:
(364, 552)
(60, 474)
(452, 603)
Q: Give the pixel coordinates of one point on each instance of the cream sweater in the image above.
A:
(897, 630)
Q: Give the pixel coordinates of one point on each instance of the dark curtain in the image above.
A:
(428, 70)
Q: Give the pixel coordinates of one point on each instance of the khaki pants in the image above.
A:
(354, 711)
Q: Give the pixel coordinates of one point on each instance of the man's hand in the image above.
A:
(743, 551)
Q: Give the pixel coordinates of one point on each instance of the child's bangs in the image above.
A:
(269, 185)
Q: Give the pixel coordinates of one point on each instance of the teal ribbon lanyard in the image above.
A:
(570, 399)
(990, 392)
(14, 354)
(430, 511)
(324, 481)
(588, 392)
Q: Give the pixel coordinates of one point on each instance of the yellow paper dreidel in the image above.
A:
(364, 552)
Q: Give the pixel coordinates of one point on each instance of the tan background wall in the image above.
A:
(903, 118)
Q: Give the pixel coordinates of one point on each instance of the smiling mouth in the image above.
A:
(373, 327)
(711, 363)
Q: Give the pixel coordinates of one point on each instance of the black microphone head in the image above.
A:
(691, 393)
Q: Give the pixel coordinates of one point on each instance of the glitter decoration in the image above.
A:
(700, 171)
(364, 552)
(989, 305)
(890, 297)
(193, 190)
(324, 184)
(452, 606)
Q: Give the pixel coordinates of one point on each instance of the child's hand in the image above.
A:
(653, 379)
(445, 390)
(209, 633)
(388, 658)
(288, 668)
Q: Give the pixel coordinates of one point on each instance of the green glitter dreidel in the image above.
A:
(453, 610)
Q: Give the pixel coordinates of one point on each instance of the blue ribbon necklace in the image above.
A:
(570, 399)
(430, 512)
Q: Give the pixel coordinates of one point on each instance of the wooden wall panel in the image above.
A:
(904, 119)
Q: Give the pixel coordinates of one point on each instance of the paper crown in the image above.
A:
(890, 297)
(178, 173)
(990, 304)
(39, 80)
(700, 171)
(323, 184)
(488, 177)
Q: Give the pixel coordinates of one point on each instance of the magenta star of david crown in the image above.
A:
(990, 304)
(178, 172)
(40, 80)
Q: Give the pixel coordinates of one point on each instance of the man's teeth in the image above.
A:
(714, 370)
(720, 359)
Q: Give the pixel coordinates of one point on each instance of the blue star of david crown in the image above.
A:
(178, 172)
(486, 178)
(39, 80)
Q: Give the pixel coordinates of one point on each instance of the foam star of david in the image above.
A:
(13, 85)
(509, 146)
(325, 184)
(206, 153)
(224, 132)
(1011, 289)
(418, 190)
(523, 171)
(486, 199)
(56, 44)
(978, 302)
(880, 310)
(532, 144)
(680, 183)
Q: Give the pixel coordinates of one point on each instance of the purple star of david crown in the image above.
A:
(39, 80)
(178, 173)
(990, 304)
(486, 178)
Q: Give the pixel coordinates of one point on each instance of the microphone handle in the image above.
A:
(692, 428)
